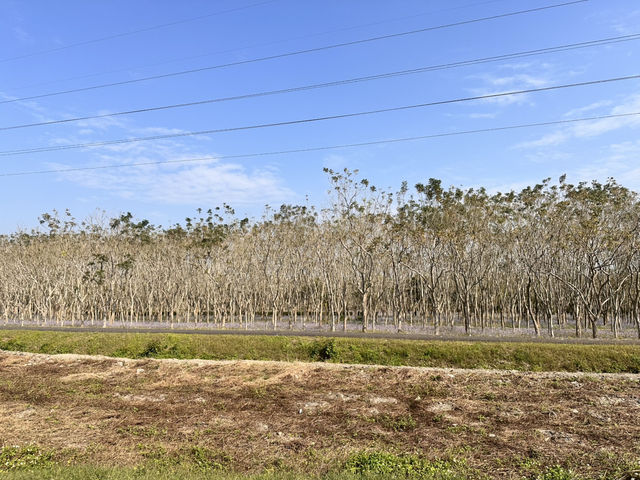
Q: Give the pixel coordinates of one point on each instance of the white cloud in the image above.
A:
(627, 24)
(198, 183)
(190, 183)
(592, 128)
(202, 183)
(102, 123)
(588, 108)
(548, 140)
(160, 131)
(620, 161)
(482, 115)
(548, 157)
(521, 79)
(495, 84)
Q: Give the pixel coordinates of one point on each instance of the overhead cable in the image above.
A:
(331, 147)
(290, 54)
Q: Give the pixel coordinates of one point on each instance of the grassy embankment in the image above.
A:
(33, 464)
(504, 356)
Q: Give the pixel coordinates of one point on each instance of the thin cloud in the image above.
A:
(205, 183)
(593, 128)
(197, 183)
(504, 83)
(588, 108)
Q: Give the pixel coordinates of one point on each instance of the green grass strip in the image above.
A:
(503, 356)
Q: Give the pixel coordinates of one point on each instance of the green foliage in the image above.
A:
(144, 472)
(557, 472)
(399, 423)
(388, 465)
(323, 350)
(503, 356)
(24, 458)
(156, 348)
(196, 458)
(207, 459)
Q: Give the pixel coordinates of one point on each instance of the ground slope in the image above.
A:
(311, 417)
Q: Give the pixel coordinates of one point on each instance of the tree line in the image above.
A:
(551, 258)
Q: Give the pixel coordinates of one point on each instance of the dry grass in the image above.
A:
(309, 417)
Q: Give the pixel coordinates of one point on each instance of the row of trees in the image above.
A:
(551, 257)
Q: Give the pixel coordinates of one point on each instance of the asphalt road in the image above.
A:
(293, 333)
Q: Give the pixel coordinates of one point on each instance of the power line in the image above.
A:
(264, 44)
(331, 147)
(508, 56)
(311, 120)
(294, 53)
(133, 32)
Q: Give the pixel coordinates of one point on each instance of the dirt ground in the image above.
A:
(309, 416)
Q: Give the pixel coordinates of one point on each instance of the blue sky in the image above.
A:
(165, 194)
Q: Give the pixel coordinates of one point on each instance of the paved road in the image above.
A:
(294, 333)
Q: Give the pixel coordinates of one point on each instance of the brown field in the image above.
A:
(309, 417)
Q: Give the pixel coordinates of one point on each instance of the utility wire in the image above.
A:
(133, 32)
(508, 56)
(297, 52)
(311, 120)
(264, 44)
(331, 147)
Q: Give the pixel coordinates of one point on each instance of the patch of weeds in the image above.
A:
(388, 465)
(276, 467)
(94, 388)
(400, 423)
(152, 452)
(196, 457)
(206, 459)
(12, 345)
(529, 465)
(257, 392)
(617, 465)
(24, 458)
(158, 349)
(457, 428)
(556, 472)
(324, 350)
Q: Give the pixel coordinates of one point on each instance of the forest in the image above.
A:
(552, 259)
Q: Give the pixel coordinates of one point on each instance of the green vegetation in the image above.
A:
(364, 466)
(143, 473)
(387, 465)
(24, 458)
(506, 356)
(199, 463)
(556, 473)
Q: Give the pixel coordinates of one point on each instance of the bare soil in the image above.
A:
(309, 417)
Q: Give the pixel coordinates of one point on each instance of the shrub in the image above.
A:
(324, 350)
